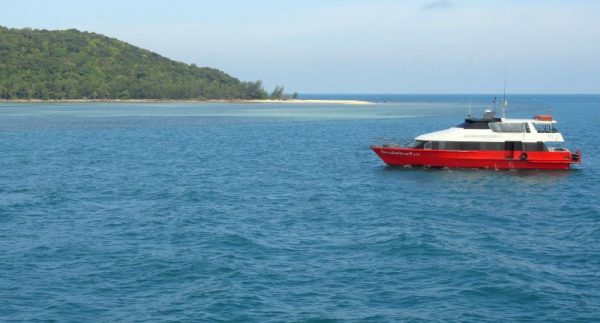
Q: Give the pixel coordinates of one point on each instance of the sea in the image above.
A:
(188, 212)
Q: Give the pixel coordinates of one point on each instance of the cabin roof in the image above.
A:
(528, 120)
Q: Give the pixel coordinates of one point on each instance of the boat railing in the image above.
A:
(557, 149)
(391, 142)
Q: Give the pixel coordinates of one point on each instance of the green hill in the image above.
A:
(70, 64)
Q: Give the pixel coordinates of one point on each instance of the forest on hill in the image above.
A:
(70, 64)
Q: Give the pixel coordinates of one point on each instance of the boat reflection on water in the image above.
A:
(477, 175)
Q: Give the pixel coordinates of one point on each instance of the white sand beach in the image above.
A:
(290, 101)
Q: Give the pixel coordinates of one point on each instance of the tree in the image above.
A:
(277, 93)
(73, 64)
(255, 90)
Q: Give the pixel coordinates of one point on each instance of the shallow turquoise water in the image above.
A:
(187, 212)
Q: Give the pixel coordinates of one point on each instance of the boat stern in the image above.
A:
(576, 157)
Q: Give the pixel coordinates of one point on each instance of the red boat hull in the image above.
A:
(493, 159)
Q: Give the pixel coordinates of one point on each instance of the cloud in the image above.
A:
(438, 5)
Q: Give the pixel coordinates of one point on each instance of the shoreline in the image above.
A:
(290, 101)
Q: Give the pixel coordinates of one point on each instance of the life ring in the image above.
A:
(523, 156)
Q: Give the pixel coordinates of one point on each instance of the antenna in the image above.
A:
(504, 102)
(469, 115)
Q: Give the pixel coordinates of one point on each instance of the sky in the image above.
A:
(354, 46)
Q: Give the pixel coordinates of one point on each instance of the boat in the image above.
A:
(487, 142)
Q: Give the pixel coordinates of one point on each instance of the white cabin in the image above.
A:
(491, 133)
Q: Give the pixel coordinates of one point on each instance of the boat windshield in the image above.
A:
(469, 124)
(417, 144)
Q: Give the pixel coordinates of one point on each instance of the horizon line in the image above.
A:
(441, 93)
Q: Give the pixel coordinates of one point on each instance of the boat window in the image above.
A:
(492, 145)
(513, 145)
(508, 127)
(534, 146)
(545, 128)
(467, 145)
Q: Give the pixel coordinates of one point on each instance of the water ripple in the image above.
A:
(250, 213)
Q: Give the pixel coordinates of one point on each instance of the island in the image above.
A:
(78, 66)
(71, 64)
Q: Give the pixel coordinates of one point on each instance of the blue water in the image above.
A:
(268, 212)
